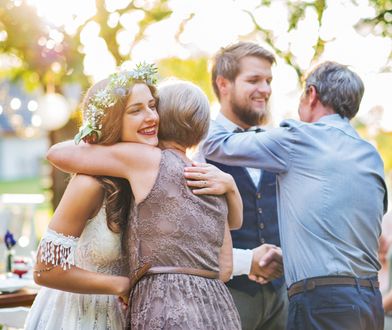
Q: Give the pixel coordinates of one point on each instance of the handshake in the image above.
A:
(267, 263)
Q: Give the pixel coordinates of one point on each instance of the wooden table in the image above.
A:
(23, 297)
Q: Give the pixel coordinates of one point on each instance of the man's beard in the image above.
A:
(247, 115)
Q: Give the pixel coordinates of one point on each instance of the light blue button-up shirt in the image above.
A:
(331, 192)
(254, 173)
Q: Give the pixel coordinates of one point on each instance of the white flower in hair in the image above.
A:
(103, 99)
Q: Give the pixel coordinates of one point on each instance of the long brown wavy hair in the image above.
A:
(118, 194)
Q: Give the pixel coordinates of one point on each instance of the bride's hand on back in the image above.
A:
(207, 179)
(122, 287)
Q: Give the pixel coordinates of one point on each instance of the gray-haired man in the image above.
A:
(331, 199)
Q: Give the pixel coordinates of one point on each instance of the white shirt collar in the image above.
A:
(228, 124)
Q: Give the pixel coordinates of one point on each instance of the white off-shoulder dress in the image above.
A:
(98, 250)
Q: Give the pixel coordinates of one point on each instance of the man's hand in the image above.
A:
(267, 263)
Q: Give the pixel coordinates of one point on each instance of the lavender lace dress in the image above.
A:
(174, 227)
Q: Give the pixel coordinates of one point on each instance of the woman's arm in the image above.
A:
(81, 201)
(226, 256)
(206, 179)
(119, 160)
(234, 202)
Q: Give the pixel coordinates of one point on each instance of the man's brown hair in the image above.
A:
(225, 63)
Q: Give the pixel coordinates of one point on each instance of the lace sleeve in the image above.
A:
(58, 249)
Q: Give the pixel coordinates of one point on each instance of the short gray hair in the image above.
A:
(337, 87)
(184, 113)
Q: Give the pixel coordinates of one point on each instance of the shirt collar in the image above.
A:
(335, 120)
(228, 124)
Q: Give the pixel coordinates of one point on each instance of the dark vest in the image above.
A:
(260, 224)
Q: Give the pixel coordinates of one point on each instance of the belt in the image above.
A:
(138, 274)
(182, 270)
(146, 269)
(313, 282)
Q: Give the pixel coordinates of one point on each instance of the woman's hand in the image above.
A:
(207, 179)
(123, 288)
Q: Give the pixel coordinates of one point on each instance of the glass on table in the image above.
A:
(20, 266)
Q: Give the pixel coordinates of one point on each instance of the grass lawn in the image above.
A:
(25, 186)
(43, 211)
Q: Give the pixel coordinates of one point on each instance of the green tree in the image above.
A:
(379, 24)
(296, 12)
(43, 54)
(194, 69)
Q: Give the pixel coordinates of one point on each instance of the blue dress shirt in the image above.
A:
(331, 192)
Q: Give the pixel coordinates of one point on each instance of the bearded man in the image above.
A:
(241, 78)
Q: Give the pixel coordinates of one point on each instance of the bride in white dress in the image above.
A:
(96, 250)
(79, 259)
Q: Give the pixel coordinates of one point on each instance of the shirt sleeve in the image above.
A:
(269, 150)
(242, 262)
(198, 155)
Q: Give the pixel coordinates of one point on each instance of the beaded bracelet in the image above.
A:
(46, 269)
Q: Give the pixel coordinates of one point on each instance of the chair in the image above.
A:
(13, 317)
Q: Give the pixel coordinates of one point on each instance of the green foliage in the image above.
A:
(22, 26)
(194, 69)
(381, 22)
(296, 12)
(157, 10)
(27, 36)
(384, 146)
(24, 29)
(383, 141)
(266, 2)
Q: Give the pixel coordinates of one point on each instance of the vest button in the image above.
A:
(259, 210)
(258, 195)
(261, 225)
(262, 240)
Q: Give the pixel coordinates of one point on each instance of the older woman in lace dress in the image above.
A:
(175, 231)
(80, 258)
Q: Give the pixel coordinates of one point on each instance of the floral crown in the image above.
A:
(101, 101)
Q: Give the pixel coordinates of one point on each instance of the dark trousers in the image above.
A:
(267, 310)
(336, 307)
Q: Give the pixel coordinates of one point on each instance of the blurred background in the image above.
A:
(51, 51)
